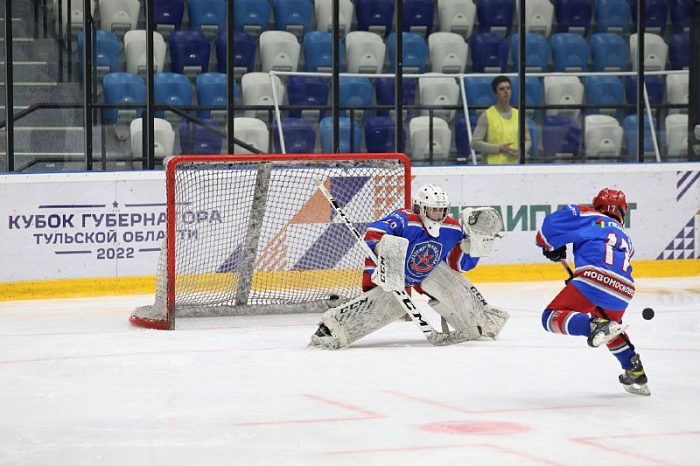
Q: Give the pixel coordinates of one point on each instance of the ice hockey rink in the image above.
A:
(80, 386)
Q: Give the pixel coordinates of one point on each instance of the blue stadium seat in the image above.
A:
(612, 16)
(610, 52)
(561, 135)
(655, 89)
(655, 15)
(123, 88)
(299, 136)
(415, 53)
(569, 52)
(533, 93)
(245, 49)
(107, 52)
(251, 16)
(489, 53)
(171, 89)
(207, 16)
(189, 53)
(418, 16)
(679, 51)
(380, 134)
(196, 139)
(630, 129)
(574, 16)
(479, 92)
(355, 92)
(386, 92)
(536, 52)
(211, 90)
(167, 15)
(347, 142)
(681, 12)
(462, 138)
(293, 16)
(307, 91)
(604, 90)
(318, 51)
(375, 16)
(495, 16)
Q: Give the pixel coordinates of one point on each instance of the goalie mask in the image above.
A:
(611, 203)
(431, 204)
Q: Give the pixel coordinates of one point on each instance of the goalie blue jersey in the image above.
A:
(424, 251)
(602, 252)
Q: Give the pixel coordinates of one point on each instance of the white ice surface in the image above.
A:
(80, 386)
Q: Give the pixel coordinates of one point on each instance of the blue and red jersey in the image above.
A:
(602, 252)
(424, 251)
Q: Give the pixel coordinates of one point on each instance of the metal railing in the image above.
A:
(90, 108)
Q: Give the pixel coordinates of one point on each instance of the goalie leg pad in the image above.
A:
(495, 321)
(361, 316)
(456, 320)
(459, 305)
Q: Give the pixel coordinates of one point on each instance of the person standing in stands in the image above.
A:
(496, 132)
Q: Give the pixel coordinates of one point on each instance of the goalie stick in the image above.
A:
(434, 337)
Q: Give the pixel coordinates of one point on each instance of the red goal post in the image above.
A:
(252, 234)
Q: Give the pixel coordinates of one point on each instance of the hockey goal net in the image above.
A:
(252, 234)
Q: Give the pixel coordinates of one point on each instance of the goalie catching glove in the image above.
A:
(481, 225)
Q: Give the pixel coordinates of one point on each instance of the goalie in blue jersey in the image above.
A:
(426, 249)
(595, 298)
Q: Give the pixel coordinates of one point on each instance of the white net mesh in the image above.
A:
(258, 237)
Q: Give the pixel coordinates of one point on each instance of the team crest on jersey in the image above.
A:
(424, 256)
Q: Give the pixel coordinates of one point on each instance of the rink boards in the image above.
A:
(87, 234)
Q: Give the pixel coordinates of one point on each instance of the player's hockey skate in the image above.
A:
(604, 331)
(323, 338)
(634, 379)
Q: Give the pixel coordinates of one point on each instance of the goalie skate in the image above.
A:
(634, 379)
(324, 339)
(603, 331)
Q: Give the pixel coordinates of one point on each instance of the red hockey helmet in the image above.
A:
(611, 202)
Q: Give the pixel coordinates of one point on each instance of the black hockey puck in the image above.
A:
(333, 297)
(648, 313)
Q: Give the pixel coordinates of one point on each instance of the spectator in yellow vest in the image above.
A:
(496, 132)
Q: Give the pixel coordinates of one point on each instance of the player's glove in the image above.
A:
(555, 255)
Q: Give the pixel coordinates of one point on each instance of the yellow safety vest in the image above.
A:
(502, 131)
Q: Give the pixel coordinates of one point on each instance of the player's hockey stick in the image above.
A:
(434, 337)
(598, 308)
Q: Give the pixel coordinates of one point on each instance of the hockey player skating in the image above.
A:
(426, 249)
(595, 298)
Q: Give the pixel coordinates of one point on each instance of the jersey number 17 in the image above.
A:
(610, 253)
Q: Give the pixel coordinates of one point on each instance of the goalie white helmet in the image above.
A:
(432, 205)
